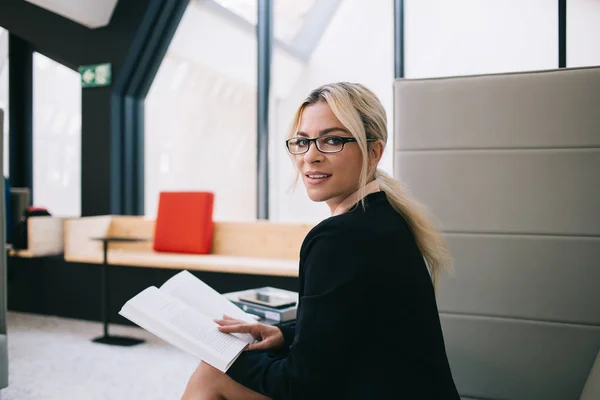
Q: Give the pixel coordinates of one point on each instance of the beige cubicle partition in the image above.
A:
(510, 165)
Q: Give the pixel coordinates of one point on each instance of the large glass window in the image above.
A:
(583, 33)
(4, 91)
(56, 137)
(318, 42)
(200, 128)
(201, 109)
(462, 37)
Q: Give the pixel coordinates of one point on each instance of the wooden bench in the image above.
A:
(261, 247)
(44, 237)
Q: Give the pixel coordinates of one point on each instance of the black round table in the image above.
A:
(107, 338)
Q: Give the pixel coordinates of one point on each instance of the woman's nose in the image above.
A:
(313, 154)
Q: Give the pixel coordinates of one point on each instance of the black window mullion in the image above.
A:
(562, 33)
(398, 38)
(265, 45)
(20, 92)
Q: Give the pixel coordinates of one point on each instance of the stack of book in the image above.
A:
(270, 305)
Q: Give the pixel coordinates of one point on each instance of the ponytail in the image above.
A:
(429, 240)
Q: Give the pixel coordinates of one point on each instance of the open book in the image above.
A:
(182, 312)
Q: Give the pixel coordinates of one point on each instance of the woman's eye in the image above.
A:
(334, 141)
(302, 142)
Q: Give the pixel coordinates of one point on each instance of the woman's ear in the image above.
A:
(376, 151)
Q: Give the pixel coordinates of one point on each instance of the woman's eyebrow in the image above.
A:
(324, 131)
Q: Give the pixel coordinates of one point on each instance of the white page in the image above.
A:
(201, 297)
(167, 318)
(162, 331)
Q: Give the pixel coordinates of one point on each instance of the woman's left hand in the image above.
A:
(269, 337)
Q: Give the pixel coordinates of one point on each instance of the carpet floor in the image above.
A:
(52, 358)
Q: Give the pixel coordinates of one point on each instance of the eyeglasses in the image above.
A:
(325, 144)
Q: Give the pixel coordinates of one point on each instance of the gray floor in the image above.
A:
(52, 358)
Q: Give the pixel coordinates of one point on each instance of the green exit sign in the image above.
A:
(96, 75)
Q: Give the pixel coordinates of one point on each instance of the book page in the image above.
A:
(202, 297)
(175, 322)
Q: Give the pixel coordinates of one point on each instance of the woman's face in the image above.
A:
(328, 177)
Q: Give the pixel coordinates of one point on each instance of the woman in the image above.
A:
(368, 324)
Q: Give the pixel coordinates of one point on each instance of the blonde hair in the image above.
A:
(363, 115)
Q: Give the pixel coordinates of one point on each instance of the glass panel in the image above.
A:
(4, 91)
(583, 33)
(201, 115)
(461, 37)
(246, 9)
(343, 52)
(56, 137)
(291, 14)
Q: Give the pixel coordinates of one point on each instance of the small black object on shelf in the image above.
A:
(107, 338)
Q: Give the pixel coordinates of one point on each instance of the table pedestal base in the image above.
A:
(118, 340)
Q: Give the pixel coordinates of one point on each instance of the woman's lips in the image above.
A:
(316, 178)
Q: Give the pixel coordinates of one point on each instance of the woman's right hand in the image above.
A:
(269, 337)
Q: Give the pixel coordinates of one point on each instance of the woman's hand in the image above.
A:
(269, 337)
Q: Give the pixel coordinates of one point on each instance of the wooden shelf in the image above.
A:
(196, 262)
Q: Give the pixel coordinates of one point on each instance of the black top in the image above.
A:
(367, 324)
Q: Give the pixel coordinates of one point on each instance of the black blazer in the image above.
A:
(367, 325)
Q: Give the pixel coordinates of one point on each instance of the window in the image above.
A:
(4, 92)
(292, 15)
(200, 128)
(461, 37)
(583, 31)
(56, 137)
(201, 109)
(329, 46)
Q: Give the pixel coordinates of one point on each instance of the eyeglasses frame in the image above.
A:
(342, 138)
